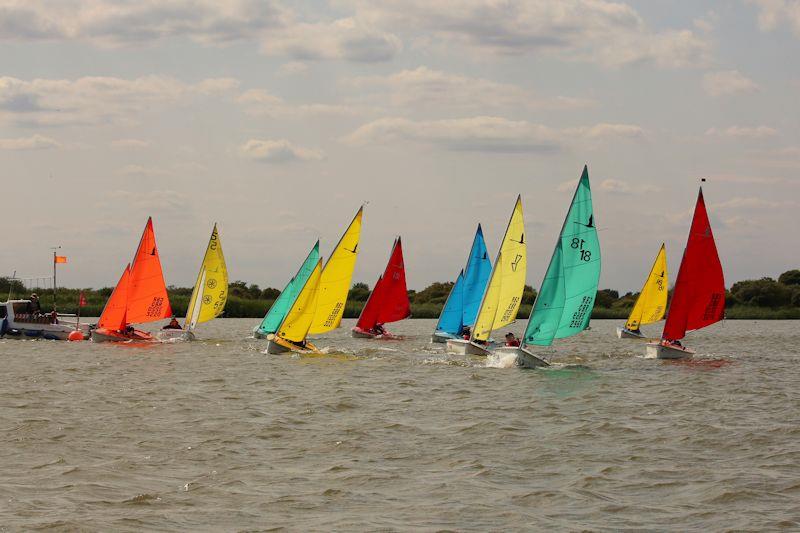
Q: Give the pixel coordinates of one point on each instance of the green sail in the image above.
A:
(566, 299)
(284, 302)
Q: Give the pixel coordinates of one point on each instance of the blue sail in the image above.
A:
(450, 319)
(476, 276)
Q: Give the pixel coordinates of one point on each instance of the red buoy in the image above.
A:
(75, 335)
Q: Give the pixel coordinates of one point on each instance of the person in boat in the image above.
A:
(128, 330)
(378, 329)
(675, 343)
(512, 340)
(34, 306)
(173, 324)
(466, 333)
(480, 341)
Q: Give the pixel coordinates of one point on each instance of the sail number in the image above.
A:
(577, 244)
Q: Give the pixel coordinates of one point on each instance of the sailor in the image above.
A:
(378, 329)
(511, 340)
(34, 307)
(466, 333)
(173, 324)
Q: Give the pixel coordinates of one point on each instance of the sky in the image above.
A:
(278, 119)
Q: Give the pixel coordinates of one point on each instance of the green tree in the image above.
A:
(790, 277)
(359, 293)
(606, 298)
(764, 292)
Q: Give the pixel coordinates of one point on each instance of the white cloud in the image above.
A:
(129, 143)
(117, 23)
(752, 203)
(34, 142)
(727, 83)
(94, 100)
(346, 38)
(605, 130)
(609, 33)
(259, 102)
(427, 88)
(773, 13)
(277, 151)
(480, 134)
(139, 170)
(743, 132)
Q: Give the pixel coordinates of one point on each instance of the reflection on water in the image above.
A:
(216, 435)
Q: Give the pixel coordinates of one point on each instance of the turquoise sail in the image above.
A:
(566, 298)
(284, 302)
(476, 276)
(450, 321)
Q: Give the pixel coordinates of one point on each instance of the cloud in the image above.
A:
(115, 23)
(277, 151)
(162, 200)
(346, 39)
(129, 143)
(259, 102)
(605, 130)
(95, 100)
(428, 88)
(743, 132)
(774, 13)
(753, 203)
(479, 134)
(608, 33)
(728, 83)
(35, 142)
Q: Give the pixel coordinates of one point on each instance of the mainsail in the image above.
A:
(388, 301)
(503, 294)
(147, 297)
(211, 288)
(463, 302)
(295, 325)
(651, 304)
(334, 284)
(698, 299)
(280, 307)
(565, 301)
(115, 311)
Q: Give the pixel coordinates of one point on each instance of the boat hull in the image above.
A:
(465, 347)
(20, 324)
(109, 335)
(358, 333)
(441, 337)
(661, 350)
(171, 335)
(277, 346)
(525, 358)
(625, 333)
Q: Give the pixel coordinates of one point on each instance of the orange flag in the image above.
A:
(61, 259)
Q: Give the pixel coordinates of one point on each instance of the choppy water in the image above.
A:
(215, 435)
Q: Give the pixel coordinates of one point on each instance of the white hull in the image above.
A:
(56, 332)
(525, 358)
(658, 350)
(625, 333)
(168, 335)
(18, 323)
(465, 347)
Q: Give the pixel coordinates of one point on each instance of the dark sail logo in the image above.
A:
(353, 250)
(515, 262)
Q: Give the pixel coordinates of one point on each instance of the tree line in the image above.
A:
(759, 298)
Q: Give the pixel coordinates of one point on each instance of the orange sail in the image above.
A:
(147, 299)
(114, 313)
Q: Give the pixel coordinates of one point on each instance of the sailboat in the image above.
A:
(461, 307)
(651, 305)
(281, 306)
(565, 301)
(503, 294)
(209, 294)
(388, 301)
(698, 299)
(139, 297)
(331, 296)
(293, 329)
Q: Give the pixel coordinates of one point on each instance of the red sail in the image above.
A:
(389, 299)
(113, 316)
(147, 300)
(698, 299)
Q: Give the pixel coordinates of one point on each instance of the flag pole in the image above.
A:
(54, 276)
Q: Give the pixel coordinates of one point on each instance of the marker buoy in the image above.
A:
(75, 335)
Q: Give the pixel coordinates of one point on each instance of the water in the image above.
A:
(215, 435)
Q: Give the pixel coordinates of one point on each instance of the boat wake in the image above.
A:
(501, 360)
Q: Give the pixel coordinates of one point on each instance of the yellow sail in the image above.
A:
(334, 283)
(503, 295)
(295, 326)
(211, 289)
(485, 320)
(652, 302)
